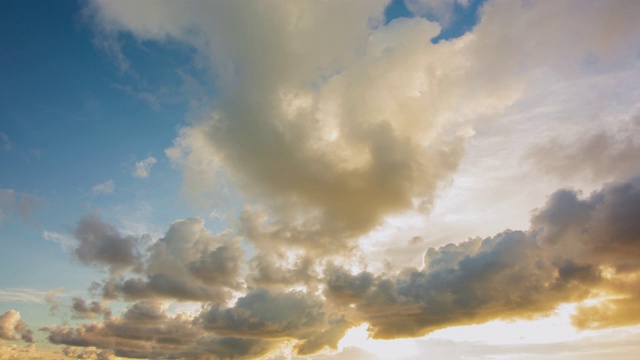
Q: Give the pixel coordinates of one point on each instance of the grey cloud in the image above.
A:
(265, 315)
(146, 331)
(599, 156)
(102, 244)
(188, 263)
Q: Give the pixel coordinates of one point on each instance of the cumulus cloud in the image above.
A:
(143, 167)
(12, 328)
(104, 188)
(576, 248)
(343, 125)
(188, 263)
(145, 330)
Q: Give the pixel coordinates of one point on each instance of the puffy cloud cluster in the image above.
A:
(188, 264)
(12, 328)
(576, 248)
(257, 325)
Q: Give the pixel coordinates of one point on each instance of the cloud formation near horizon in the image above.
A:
(577, 248)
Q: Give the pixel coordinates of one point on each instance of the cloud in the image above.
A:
(50, 298)
(576, 248)
(64, 241)
(104, 188)
(344, 125)
(143, 168)
(101, 244)
(600, 156)
(22, 294)
(12, 328)
(188, 263)
(82, 310)
(145, 330)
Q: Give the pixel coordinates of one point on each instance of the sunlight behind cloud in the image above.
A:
(385, 349)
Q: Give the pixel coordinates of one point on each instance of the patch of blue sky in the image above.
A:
(462, 19)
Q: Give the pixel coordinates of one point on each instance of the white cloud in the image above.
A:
(106, 187)
(143, 168)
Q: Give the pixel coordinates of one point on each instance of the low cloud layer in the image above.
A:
(577, 248)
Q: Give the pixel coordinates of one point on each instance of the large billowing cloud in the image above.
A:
(337, 126)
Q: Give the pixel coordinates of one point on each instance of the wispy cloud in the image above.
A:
(23, 295)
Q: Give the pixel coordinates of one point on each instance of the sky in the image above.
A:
(297, 179)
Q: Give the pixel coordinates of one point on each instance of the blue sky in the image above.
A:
(198, 162)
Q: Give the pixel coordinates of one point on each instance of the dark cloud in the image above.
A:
(101, 244)
(295, 315)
